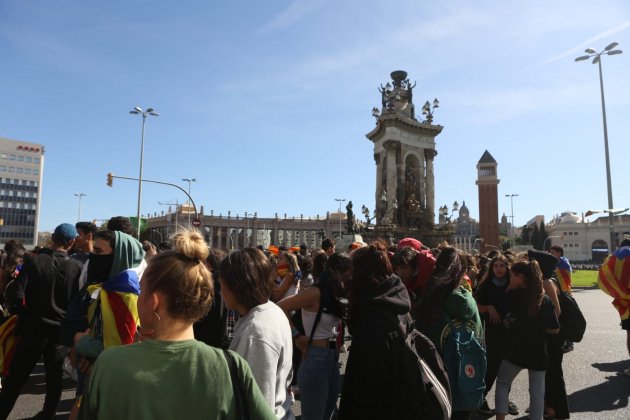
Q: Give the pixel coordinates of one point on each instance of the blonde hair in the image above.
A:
(182, 276)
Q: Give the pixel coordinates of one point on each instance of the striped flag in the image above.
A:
(563, 274)
(118, 298)
(8, 342)
(614, 279)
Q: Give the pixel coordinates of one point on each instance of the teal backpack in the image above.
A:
(465, 360)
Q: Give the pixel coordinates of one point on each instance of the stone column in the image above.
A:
(211, 237)
(429, 154)
(379, 179)
(422, 181)
(392, 178)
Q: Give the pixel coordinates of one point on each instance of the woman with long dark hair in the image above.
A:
(321, 309)
(372, 388)
(530, 319)
(492, 304)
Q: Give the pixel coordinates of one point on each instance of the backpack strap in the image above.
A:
(242, 411)
(318, 317)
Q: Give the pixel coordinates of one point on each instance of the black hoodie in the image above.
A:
(369, 385)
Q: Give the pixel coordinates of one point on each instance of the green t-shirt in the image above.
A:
(168, 380)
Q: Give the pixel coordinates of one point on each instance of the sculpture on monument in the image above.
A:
(350, 220)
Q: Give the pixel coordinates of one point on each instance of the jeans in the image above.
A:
(505, 377)
(318, 379)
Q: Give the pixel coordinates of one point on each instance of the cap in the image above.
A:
(66, 231)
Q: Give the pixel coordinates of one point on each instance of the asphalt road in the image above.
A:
(595, 386)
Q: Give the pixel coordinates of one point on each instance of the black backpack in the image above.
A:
(572, 321)
(425, 390)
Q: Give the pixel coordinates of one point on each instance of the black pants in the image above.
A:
(555, 390)
(35, 341)
(495, 350)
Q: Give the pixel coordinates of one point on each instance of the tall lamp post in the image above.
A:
(512, 217)
(340, 200)
(189, 180)
(138, 111)
(597, 59)
(80, 195)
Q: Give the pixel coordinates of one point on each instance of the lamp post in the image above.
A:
(512, 217)
(340, 200)
(597, 59)
(138, 111)
(189, 180)
(247, 237)
(80, 195)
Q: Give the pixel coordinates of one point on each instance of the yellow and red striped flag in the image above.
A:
(614, 279)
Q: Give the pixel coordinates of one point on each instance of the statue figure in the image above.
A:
(350, 225)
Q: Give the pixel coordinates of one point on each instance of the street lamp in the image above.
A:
(80, 195)
(138, 111)
(512, 216)
(597, 59)
(247, 230)
(189, 180)
(340, 200)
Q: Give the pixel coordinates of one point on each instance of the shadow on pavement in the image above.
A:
(607, 396)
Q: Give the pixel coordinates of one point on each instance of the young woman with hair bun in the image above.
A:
(169, 374)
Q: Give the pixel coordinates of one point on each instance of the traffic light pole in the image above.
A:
(111, 176)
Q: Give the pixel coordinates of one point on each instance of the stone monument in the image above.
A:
(404, 150)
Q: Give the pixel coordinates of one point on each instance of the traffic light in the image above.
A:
(110, 179)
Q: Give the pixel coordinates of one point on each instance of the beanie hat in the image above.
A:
(546, 261)
(65, 232)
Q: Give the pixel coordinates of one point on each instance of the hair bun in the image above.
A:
(190, 243)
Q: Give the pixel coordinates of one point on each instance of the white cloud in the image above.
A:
(294, 13)
(588, 42)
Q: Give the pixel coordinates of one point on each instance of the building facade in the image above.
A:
(21, 174)
(583, 240)
(237, 232)
(487, 183)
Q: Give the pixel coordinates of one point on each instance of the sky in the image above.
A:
(267, 103)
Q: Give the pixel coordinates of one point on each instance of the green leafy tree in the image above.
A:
(534, 240)
(543, 235)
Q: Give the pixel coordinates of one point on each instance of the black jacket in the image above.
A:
(370, 386)
(51, 280)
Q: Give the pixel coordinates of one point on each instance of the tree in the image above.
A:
(534, 240)
(542, 232)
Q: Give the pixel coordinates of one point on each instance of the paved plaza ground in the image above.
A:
(596, 388)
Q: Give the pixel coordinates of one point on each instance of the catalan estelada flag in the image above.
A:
(614, 279)
(8, 342)
(563, 274)
(117, 299)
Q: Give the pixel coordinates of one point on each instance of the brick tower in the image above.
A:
(487, 182)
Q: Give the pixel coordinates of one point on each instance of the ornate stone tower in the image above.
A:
(487, 183)
(404, 149)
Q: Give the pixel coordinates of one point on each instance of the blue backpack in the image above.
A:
(465, 360)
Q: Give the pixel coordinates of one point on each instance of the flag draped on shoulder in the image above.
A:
(563, 274)
(8, 342)
(614, 279)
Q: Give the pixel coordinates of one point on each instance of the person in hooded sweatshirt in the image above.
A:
(114, 286)
(378, 302)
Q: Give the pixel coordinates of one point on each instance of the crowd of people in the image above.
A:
(179, 329)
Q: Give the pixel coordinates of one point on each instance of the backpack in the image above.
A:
(572, 321)
(425, 391)
(465, 360)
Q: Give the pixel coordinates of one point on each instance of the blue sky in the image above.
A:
(267, 103)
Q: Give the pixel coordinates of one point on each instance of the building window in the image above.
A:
(35, 171)
(20, 170)
(36, 160)
(12, 157)
(20, 158)
(3, 168)
(28, 159)
(27, 171)
(4, 156)
(11, 169)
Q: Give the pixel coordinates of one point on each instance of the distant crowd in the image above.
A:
(182, 330)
